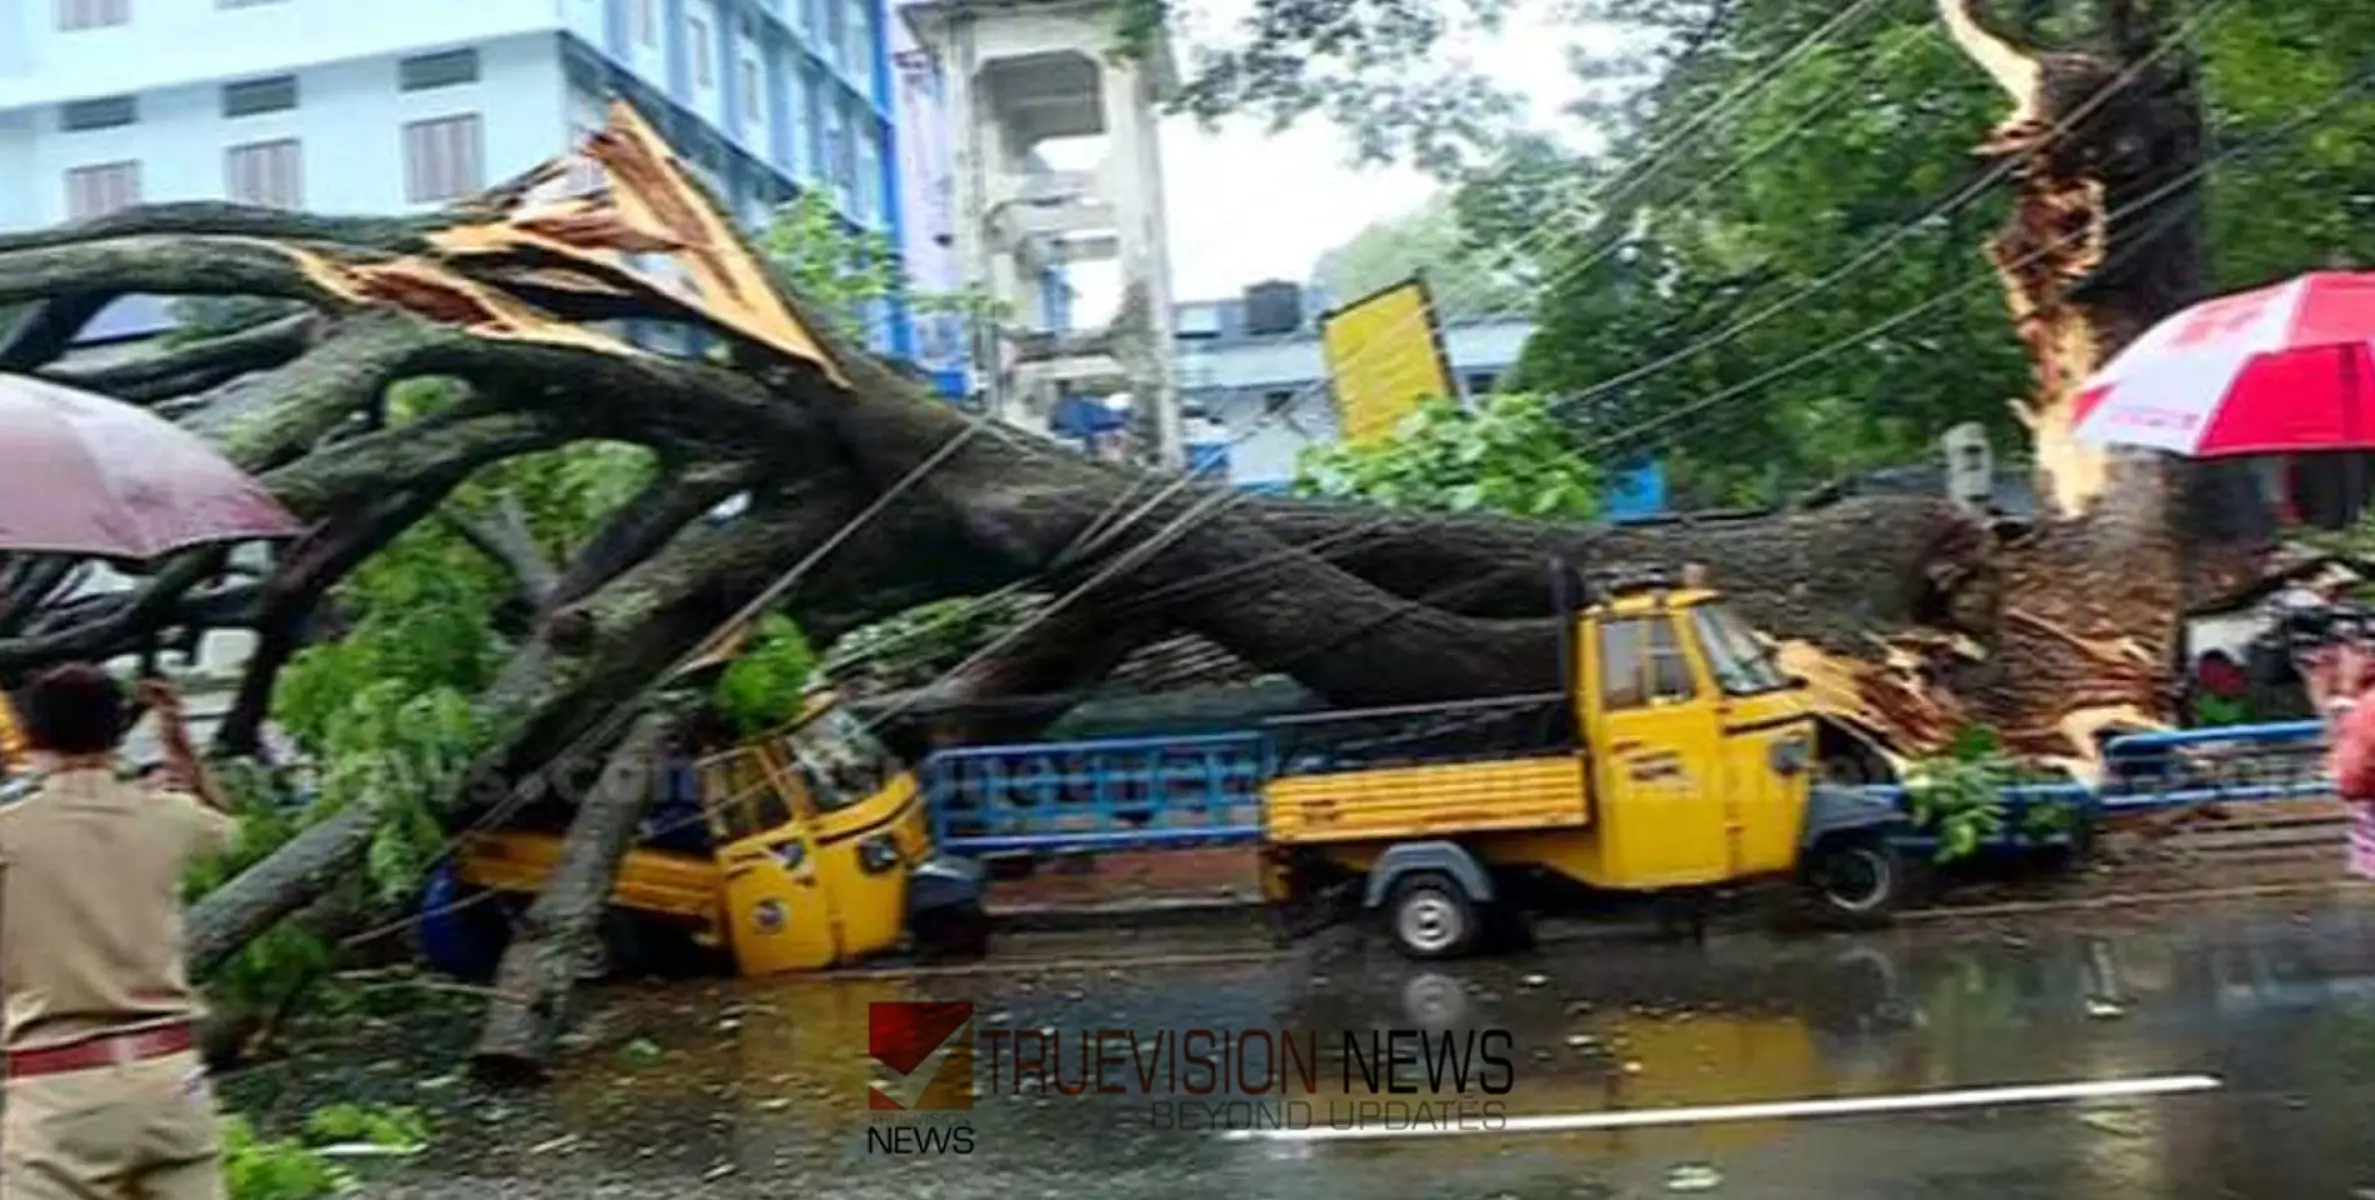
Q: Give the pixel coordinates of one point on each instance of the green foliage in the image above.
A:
(260, 1168)
(273, 970)
(767, 686)
(392, 1128)
(1857, 139)
(2211, 711)
(1743, 214)
(1959, 796)
(1375, 67)
(846, 272)
(841, 270)
(921, 644)
(1464, 280)
(1508, 455)
(385, 709)
(256, 1167)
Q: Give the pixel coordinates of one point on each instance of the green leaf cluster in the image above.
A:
(257, 1167)
(1507, 455)
(1465, 280)
(847, 273)
(382, 699)
(1959, 796)
(766, 687)
(1864, 137)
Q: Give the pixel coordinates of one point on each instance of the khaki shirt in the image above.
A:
(90, 907)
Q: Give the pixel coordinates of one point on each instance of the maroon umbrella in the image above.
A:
(83, 474)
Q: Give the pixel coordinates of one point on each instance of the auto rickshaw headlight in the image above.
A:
(878, 854)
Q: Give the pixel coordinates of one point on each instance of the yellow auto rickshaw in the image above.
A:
(801, 849)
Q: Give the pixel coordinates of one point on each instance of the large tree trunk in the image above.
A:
(869, 497)
(549, 943)
(2104, 148)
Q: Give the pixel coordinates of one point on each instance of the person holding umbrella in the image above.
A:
(106, 1093)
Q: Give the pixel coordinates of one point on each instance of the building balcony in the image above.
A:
(1083, 364)
(1020, 221)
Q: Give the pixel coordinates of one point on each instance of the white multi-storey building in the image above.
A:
(341, 106)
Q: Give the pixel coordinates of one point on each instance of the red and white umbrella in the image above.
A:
(2281, 369)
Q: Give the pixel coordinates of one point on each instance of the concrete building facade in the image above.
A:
(1019, 74)
(336, 106)
(1261, 392)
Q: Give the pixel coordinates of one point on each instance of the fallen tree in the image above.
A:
(867, 497)
(532, 984)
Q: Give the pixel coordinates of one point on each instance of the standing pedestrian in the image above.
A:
(106, 1094)
(2339, 681)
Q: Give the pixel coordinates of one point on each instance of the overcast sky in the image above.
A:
(1245, 206)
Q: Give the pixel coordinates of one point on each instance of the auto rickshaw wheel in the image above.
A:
(955, 932)
(1431, 917)
(1857, 880)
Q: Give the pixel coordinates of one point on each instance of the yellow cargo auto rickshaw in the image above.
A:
(797, 850)
(1677, 759)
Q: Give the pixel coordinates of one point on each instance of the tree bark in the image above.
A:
(197, 367)
(869, 497)
(2104, 240)
(285, 882)
(540, 966)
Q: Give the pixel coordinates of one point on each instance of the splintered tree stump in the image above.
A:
(548, 944)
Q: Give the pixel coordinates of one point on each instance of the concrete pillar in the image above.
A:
(1136, 177)
(967, 110)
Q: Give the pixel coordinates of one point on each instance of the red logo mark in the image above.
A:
(925, 1052)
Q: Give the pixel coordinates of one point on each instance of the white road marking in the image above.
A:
(2036, 1093)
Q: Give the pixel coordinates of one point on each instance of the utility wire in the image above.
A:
(1628, 180)
(1966, 195)
(1628, 435)
(1739, 95)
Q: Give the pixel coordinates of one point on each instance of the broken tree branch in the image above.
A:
(549, 943)
(195, 367)
(506, 539)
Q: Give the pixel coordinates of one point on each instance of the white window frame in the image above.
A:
(276, 164)
(439, 181)
(76, 15)
(704, 51)
(111, 186)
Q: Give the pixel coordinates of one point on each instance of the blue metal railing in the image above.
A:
(1156, 792)
(2265, 733)
(1105, 794)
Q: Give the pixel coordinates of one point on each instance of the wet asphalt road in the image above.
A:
(757, 1090)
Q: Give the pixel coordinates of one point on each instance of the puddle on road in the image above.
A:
(772, 1078)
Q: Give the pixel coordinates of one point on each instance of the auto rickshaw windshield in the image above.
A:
(1742, 664)
(840, 759)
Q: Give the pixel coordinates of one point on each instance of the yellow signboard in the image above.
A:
(1385, 355)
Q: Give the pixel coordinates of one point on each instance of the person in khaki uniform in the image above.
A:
(106, 1095)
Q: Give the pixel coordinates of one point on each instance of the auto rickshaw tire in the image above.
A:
(1430, 917)
(1884, 880)
(618, 949)
(462, 931)
(956, 933)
